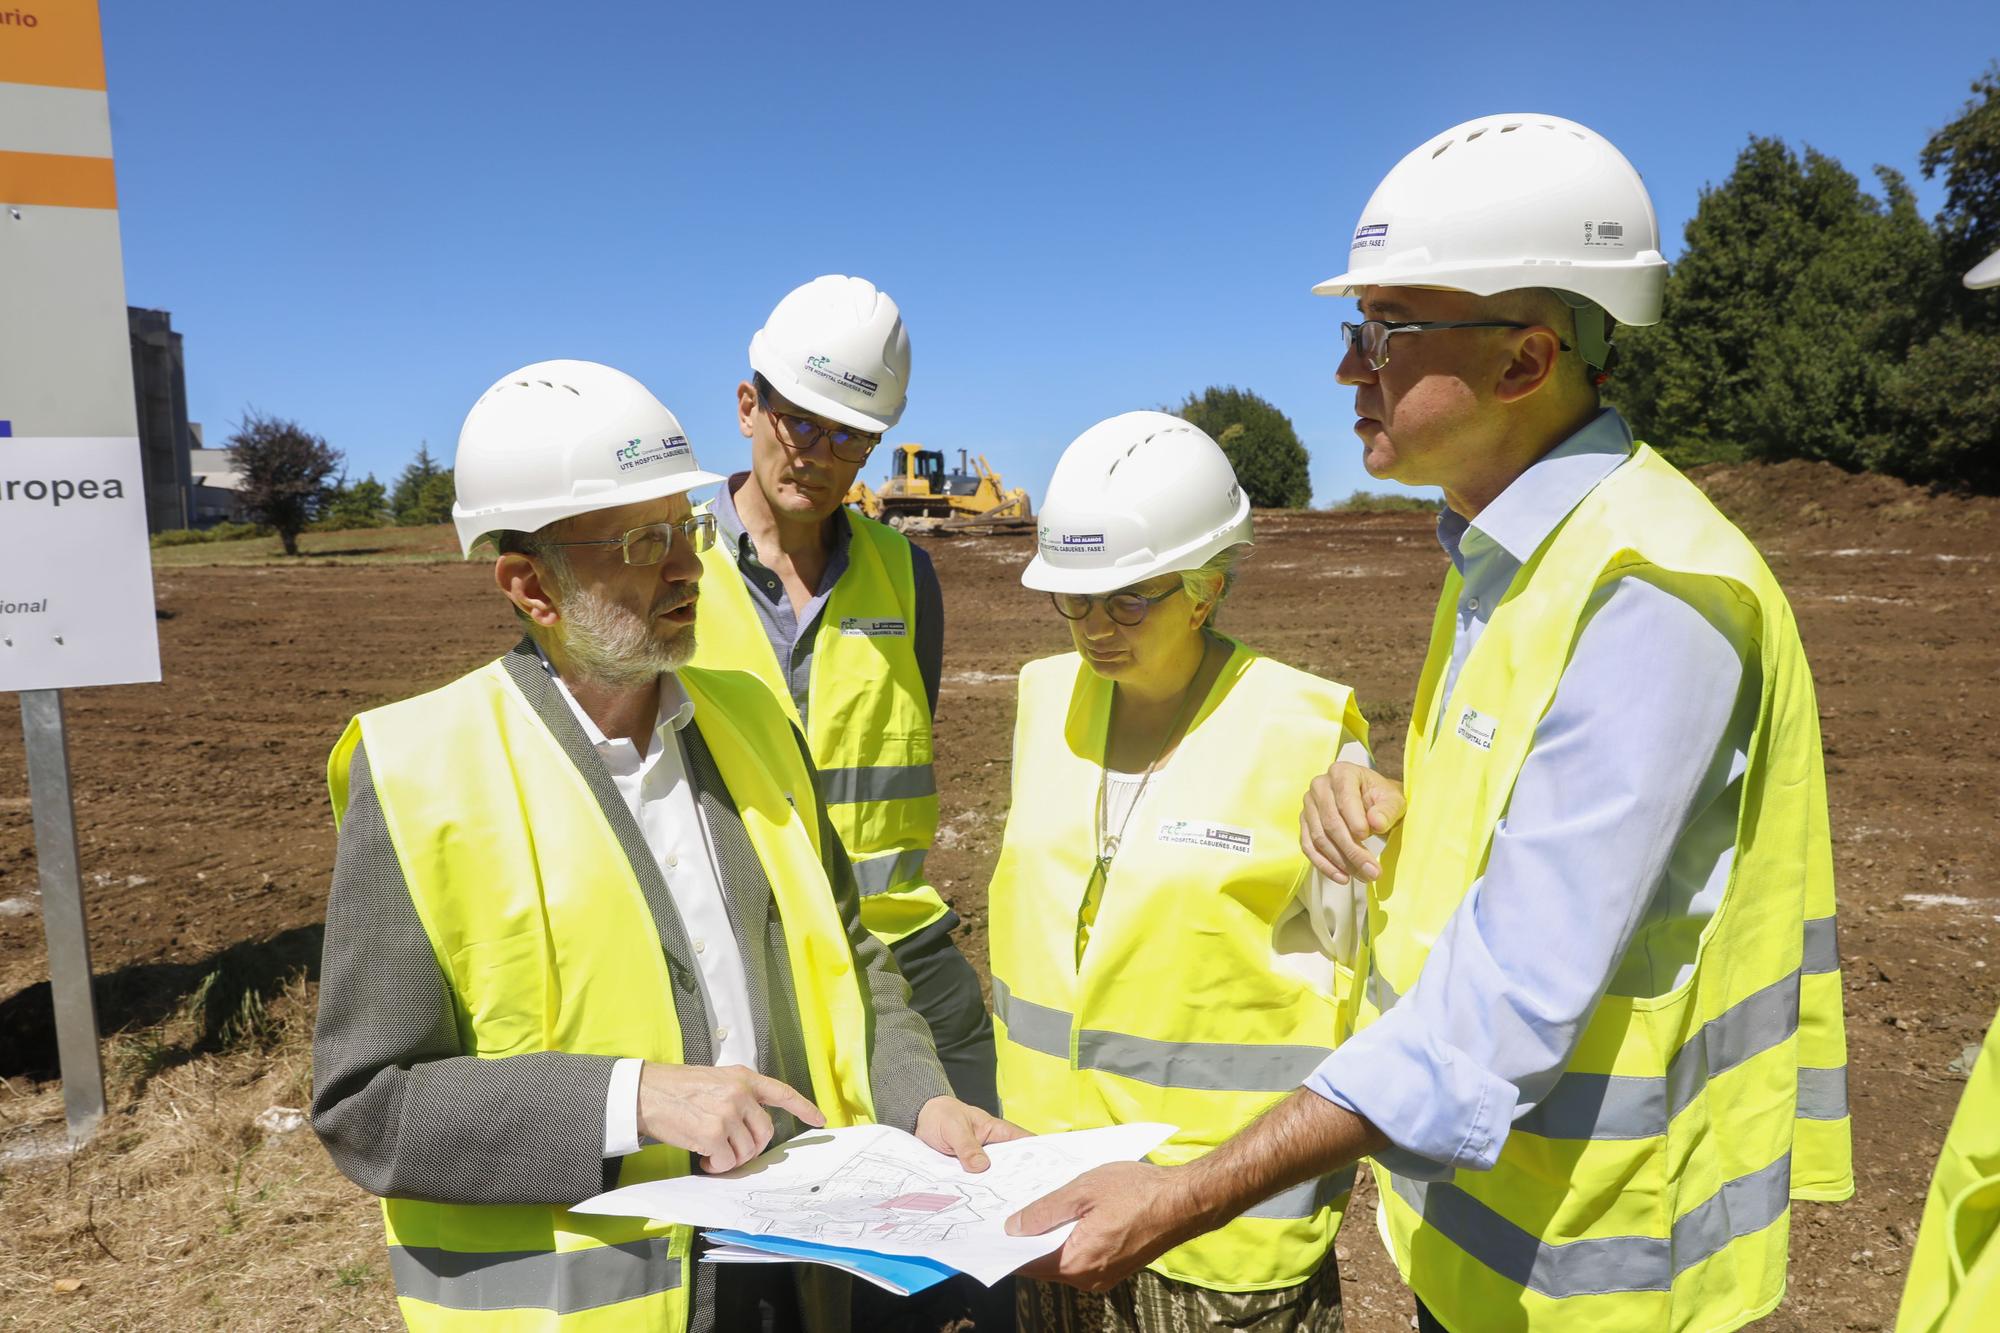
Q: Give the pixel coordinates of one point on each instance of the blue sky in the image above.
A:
(362, 214)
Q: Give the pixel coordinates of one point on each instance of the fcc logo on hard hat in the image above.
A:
(644, 453)
(826, 369)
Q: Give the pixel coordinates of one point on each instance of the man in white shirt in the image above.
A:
(464, 1068)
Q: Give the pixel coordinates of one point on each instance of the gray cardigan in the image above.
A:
(404, 1112)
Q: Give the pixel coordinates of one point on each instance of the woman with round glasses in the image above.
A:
(1158, 953)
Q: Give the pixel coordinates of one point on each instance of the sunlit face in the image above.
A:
(1427, 407)
(800, 480)
(1153, 648)
(625, 623)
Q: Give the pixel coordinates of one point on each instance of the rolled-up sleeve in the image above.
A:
(1616, 772)
(402, 1110)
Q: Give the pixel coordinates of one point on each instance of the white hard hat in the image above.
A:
(836, 347)
(1986, 273)
(1506, 202)
(560, 438)
(1141, 494)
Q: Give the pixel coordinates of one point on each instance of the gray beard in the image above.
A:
(606, 644)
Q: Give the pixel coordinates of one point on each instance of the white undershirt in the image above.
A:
(656, 790)
(1120, 791)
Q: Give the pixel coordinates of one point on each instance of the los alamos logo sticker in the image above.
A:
(1200, 833)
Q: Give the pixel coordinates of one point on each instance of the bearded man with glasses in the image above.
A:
(589, 923)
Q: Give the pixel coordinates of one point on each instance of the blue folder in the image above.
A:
(906, 1271)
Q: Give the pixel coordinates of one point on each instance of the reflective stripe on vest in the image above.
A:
(1200, 1066)
(1613, 1106)
(888, 782)
(1176, 1012)
(878, 874)
(535, 920)
(1650, 1187)
(1608, 1264)
(564, 1283)
(868, 720)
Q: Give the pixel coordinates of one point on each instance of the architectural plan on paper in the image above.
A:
(871, 1187)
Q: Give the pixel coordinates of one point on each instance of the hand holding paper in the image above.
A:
(871, 1188)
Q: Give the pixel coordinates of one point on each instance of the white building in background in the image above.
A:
(213, 484)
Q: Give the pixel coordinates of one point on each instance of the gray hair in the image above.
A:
(1211, 581)
(599, 641)
(538, 545)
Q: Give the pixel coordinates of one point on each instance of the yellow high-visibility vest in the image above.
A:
(1175, 1012)
(870, 724)
(1651, 1188)
(548, 944)
(1954, 1282)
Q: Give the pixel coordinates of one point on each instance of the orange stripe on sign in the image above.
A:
(57, 180)
(54, 43)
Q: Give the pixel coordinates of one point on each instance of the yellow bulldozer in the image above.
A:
(919, 490)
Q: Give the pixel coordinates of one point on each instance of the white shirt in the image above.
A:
(656, 790)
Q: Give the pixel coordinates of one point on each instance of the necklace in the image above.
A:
(1109, 842)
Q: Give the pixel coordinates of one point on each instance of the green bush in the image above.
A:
(236, 532)
(1383, 502)
(423, 493)
(354, 504)
(1259, 442)
(346, 522)
(220, 532)
(1809, 318)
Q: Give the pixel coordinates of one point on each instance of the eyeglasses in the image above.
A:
(651, 544)
(800, 433)
(1125, 608)
(1370, 338)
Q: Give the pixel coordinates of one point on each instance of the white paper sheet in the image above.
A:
(877, 1188)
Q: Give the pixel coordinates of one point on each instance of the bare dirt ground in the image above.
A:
(207, 842)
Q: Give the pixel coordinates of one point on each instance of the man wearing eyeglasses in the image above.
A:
(843, 619)
(589, 924)
(1601, 1046)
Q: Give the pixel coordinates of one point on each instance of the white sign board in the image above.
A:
(76, 583)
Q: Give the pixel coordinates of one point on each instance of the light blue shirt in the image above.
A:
(1612, 855)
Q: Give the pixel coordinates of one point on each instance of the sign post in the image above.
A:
(62, 911)
(76, 594)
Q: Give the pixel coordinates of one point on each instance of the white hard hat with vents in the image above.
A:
(837, 348)
(560, 438)
(1138, 495)
(1986, 273)
(1506, 202)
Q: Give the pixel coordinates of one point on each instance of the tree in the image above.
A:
(1784, 318)
(1946, 393)
(357, 504)
(285, 470)
(1967, 152)
(424, 492)
(1259, 442)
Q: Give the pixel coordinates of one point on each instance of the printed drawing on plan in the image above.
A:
(873, 1198)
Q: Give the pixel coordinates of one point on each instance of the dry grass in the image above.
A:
(181, 1212)
(357, 546)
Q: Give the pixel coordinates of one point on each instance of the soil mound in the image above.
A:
(1775, 500)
